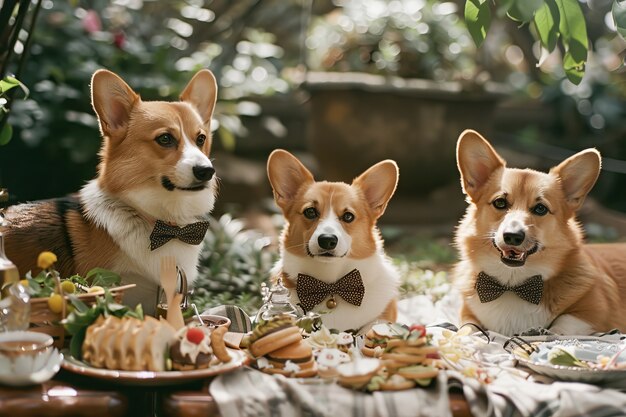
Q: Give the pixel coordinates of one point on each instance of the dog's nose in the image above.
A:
(514, 238)
(203, 172)
(327, 242)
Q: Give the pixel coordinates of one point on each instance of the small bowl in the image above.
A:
(27, 358)
(211, 320)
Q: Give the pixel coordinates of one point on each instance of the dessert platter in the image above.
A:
(152, 352)
(393, 356)
(583, 360)
(111, 341)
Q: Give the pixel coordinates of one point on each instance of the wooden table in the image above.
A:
(72, 395)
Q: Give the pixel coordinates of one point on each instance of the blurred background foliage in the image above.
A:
(261, 52)
(262, 48)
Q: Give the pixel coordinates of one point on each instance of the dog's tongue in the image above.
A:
(517, 255)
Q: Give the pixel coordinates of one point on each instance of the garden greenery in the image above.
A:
(554, 22)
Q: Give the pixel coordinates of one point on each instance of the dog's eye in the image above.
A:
(500, 203)
(166, 140)
(200, 140)
(540, 210)
(310, 213)
(347, 217)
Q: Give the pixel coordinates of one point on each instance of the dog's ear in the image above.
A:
(578, 174)
(378, 184)
(287, 175)
(201, 92)
(476, 160)
(113, 100)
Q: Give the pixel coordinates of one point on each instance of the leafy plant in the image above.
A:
(555, 22)
(233, 264)
(7, 84)
(421, 39)
(44, 283)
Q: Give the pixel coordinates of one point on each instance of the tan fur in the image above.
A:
(296, 190)
(391, 312)
(585, 281)
(131, 160)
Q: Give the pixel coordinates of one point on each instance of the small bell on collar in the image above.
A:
(331, 303)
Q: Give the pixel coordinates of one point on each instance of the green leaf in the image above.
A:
(573, 70)
(573, 32)
(477, 19)
(524, 10)
(6, 134)
(78, 304)
(503, 7)
(77, 279)
(619, 16)
(103, 277)
(560, 356)
(547, 24)
(8, 83)
(76, 344)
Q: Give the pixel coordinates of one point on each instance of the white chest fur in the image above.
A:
(136, 263)
(509, 314)
(380, 280)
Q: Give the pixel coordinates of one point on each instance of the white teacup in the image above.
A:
(24, 352)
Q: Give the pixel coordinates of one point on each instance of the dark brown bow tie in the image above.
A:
(162, 233)
(489, 288)
(311, 291)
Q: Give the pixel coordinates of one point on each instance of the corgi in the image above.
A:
(523, 263)
(330, 232)
(154, 166)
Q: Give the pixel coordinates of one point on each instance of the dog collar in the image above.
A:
(489, 288)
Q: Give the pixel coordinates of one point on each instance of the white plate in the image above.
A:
(587, 350)
(148, 378)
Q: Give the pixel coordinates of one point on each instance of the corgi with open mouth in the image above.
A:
(155, 185)
(331, 250)
(523, 261)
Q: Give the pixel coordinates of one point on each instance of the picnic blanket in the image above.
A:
(250, 393)
(512, 392)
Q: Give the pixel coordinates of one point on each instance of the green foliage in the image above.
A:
(560, 356)
(409, 39)
(553, 20)
(7, 84)
(523, 10)
(573, 32)
(417, 281)
(233, 264)
(478, 19)
(156, 47)
(546, 21)
(44, 283)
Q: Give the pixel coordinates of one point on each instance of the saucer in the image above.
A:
(30, 370)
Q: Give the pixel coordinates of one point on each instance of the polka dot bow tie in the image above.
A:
(489, 289)
(311, 291)
(192, 233)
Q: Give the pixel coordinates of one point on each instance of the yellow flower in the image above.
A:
(46, 260)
